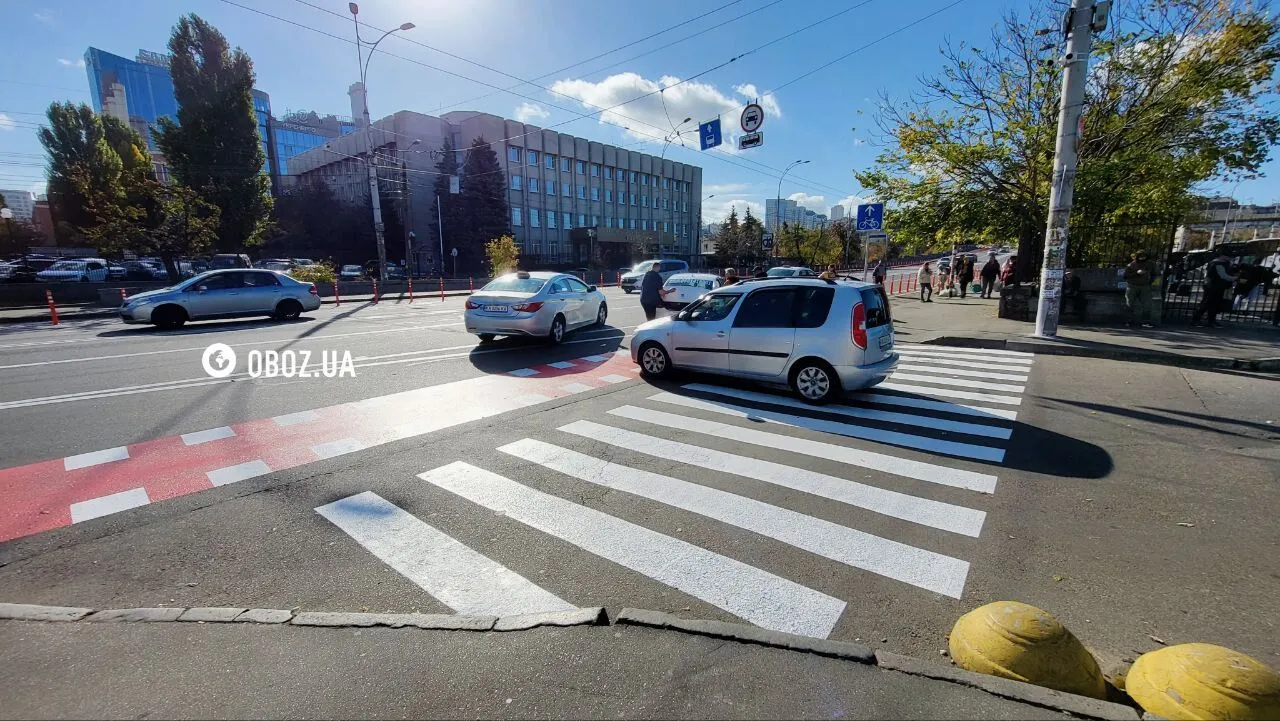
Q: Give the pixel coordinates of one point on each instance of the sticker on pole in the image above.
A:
(752, 118)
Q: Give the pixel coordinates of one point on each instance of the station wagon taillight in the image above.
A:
(527, 307)
(858, 328)
(312, 290)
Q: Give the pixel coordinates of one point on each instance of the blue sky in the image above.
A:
(825, 118)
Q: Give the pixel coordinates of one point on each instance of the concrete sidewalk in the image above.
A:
(973, 322)
(124, 667)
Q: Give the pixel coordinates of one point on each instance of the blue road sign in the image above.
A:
(709, 133)
(767, 240)
(871, 216)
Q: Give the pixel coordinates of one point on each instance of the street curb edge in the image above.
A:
(1257, 365)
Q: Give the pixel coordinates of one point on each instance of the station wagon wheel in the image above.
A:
(288, 310)
(603, 314)
(814, 382)
(654, 361)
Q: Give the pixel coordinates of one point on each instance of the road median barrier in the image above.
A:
(1204, 681)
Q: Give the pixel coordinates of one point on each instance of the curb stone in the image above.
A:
(1257, 365)
(211, 615)
(28, 612)
(1008, 688)
(595, 616)
(265, 615)
(136, 614)
(753, 634)
(435, 622)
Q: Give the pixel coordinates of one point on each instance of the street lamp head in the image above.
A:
(407, 26)
(686, 120)
(415, 142)
(355, 9)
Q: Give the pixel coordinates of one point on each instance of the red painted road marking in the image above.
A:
(38, 496)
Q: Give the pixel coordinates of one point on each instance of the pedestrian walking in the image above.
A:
(1218, 279)
(965, 275)
(759, 272)
(924, 278)
(990, 271)
(1071, 291)
(731, 277)
(881, 270)
(1137, 292)
(829, 273)
(651, 292)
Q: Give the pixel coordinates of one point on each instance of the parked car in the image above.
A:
(222, 294)
(665, 268)
(303, 261)
(19, 272)
(540, 304)
(687, 287)
(85, 270)
(350, 272)
(819, 337)
(138, 271)
(115, 271)
(790, 271)
(229, 260)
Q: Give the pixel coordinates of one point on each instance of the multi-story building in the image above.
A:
(572, 201)
(837, 212)
(789, 215)
(21, 202)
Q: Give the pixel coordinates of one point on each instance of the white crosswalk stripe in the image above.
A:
(967, 351)
(947, 407)
(961, 382)
(966, 363)
(962, 372)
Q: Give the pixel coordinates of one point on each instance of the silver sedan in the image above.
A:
(538, 304)
(222, 294)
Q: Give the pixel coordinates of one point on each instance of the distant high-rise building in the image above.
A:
(21, 202)
(790, 212)
(837, 212)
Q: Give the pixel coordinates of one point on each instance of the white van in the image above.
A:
(85, 270)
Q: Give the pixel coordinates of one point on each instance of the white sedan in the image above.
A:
(684, 288)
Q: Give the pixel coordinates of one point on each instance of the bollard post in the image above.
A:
(602, 278)
(442, 289)
(53, 309)
(471, 285)
(409, 279)
(123, 297)
(375, 291)
(337, 299)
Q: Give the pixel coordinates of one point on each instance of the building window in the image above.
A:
(582, 219)
(595, 171)
(513, 154)
(644, 224)
(566, 189)
(664, 203)
(644, 179)
(608, 195)
(516, 181)
(595, 193)
(633, 198)
(632, 177)
(633, 223)
(533, 185)
(677, 183)
(551, 220)
(533, 157)
(666, 227)
(644, 201)
(564, 164)
(655, 203)
(515, 216)
(568, 220)
(608, 173)
(582, 191)
(581, 166)
(534, 220)
(608, 221)
(666, 184)
(550, 161)
(551, 187)
(595, 221)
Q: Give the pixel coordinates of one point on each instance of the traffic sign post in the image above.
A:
(871, 216)
(752, 118)
(766, 241)
(709, 134)
(750, 140)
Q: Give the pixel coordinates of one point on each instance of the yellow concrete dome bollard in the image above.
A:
(1203, 681)
(1024, 643)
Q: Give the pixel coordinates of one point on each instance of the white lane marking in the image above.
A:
(967, 363)
(277, 341)
(746, 591)
(337, 448)
(531, 399)
(106, 505)
(238, 472)
(357, 359)
(562, 365)
(293, 419)
(994, 361)
(456, 575)
(969, 351)
(522, 372)
(910, 402)
(213, 434)
(84, 460)
(908, 440)
(949, 393)
(1006, 387)
(899, 561)
(612, 378)
(919, 470)
(595, 358)
(948, 517)
(910, 419)
(577, 387)
(961, 372)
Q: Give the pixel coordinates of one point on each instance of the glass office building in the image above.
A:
(138, 91)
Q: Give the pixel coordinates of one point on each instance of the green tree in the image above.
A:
(1179, 92)
(308, 221)
(728, 240)
(214, 146)
(483, 213)
(84, 171)
(503, 255)
(751, 238)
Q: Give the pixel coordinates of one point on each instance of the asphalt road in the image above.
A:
(444, 482)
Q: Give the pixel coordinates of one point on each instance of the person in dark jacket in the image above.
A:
(965, 275)
(651, 292)
(880, 271)
(731, 276)
(990, 271)
(1217, 280)
(1009, 274)
(759, 272)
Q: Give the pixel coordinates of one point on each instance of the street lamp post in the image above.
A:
(363, 64)
(777, 201)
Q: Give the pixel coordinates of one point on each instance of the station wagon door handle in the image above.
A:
(719, 334)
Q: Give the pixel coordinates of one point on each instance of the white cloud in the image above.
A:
(725, 188)
(768, 102)
(816, 203)
(859, 141)
(717, 210)
(647, 119)
(530, 111)
(44, 15)
(851, 203)
(77, 63)
(6, 122)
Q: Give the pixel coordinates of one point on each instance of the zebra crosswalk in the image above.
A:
(892, 485)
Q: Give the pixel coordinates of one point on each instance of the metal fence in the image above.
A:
(1112, 245)
(1254, 299)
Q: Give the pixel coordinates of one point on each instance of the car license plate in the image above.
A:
(886, 342)
(496, 308)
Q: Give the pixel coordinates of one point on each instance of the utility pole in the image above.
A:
(1082, 19)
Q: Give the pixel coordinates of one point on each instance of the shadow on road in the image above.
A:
(1158, 416)
(488, 358)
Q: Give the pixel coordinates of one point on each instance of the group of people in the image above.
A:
(962, 273)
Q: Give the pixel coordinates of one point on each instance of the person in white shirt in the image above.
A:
(925, 279)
